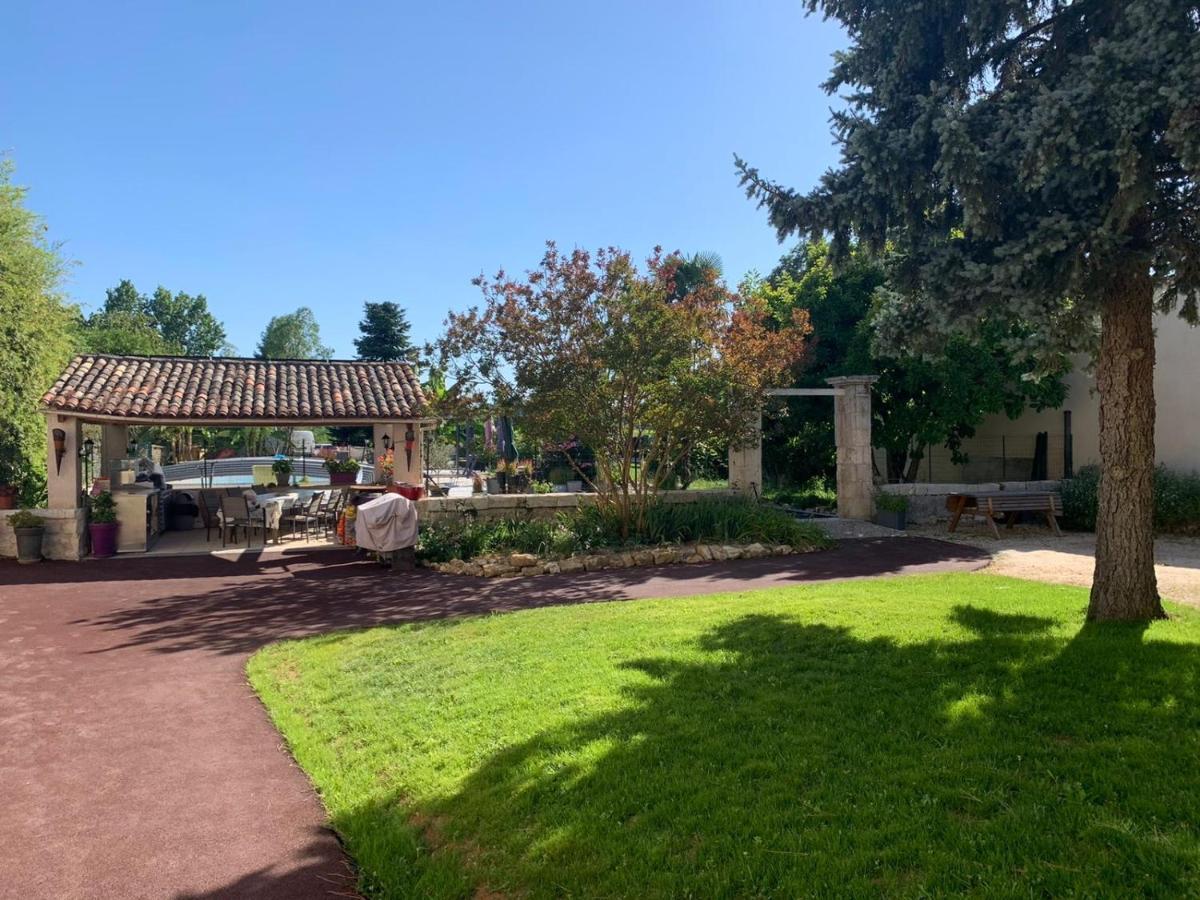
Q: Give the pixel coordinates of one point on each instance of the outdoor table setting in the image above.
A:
(275, 503)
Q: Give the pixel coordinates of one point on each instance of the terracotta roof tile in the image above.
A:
(185, 388)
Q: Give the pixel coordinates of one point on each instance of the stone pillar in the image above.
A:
(745, 463)
(377, 433)
(413, 474)
(64, 481)
(852, 434)
(397, 434)
(114, 440)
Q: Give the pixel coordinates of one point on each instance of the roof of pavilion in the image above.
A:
(188, 389)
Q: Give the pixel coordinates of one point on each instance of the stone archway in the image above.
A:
(852, 434)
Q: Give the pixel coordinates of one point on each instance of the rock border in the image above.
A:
(515, 565)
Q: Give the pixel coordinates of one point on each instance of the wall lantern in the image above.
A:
(60, 448)
(387, 442)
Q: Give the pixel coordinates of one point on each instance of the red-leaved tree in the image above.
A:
(638, 365)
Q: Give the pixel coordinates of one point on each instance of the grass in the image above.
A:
(961, 734)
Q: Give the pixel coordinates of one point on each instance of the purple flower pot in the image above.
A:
(343, 477)
(104, 538)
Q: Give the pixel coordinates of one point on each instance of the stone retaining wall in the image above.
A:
(493, 507)
(927, 502)
(65, 536)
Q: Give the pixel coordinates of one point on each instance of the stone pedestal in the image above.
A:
(852, 434)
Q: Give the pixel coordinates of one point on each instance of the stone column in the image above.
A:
(377, 433)
(64, 481)
(396, 432)
(413, 474)
(114, 440)
(745, 463)
(852, 434)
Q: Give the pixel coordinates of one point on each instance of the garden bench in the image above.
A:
(1008, 504)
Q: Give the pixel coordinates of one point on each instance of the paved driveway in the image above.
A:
(136, 762)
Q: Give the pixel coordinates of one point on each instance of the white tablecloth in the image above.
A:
(275, 503)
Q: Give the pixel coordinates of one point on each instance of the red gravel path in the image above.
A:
(136, 762)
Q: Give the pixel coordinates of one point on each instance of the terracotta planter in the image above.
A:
(104, 538)
(343, 478)
(29, 544)
(8, 497)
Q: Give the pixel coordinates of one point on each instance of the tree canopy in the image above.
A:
(385, 333)
(920, 400)
(1031, 161)
(159, 324)
(293, 336)
(589, 347)
(35, 338)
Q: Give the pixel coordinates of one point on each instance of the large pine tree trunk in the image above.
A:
(1124, 586)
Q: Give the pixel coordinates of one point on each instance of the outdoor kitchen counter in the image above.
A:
(140, 518)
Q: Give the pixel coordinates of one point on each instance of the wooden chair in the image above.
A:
(236, 511)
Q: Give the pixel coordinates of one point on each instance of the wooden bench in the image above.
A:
(1008, 504)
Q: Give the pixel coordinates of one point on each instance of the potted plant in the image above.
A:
(103, 525)
(891, 511)
(283, 471)
(477, 483)
(385, 467)
(28, 527)
(342, 471)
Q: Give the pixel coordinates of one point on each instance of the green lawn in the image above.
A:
(958, 734)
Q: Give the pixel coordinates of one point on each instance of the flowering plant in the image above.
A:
(385, 466)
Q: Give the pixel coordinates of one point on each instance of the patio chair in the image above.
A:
(330, 517)
(209, 506)
(235, 511)
(305, 516)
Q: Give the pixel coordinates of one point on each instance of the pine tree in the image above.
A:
(385, 332)
(1031, 161)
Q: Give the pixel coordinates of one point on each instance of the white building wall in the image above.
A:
(1002, 448)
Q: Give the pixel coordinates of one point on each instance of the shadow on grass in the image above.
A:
(220, 606)
(798, 759)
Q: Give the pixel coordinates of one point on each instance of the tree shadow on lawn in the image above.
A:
(798, 760)
(201, 603)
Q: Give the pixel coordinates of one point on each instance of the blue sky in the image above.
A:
(277, 155)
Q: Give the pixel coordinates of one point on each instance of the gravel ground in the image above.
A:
(1035, 553)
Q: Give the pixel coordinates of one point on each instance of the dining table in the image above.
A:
(275, 503)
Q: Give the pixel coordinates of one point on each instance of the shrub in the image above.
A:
(341, 466)
(25, 518)
(103, 508)
(896, 503)
(1176, 500)
(594, 527)
(815, 493)
(1080, 498)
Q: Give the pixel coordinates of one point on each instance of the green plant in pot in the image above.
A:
(28, 527)
(103, 525)
(891, 511)
(342, 471)
(283, 472)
